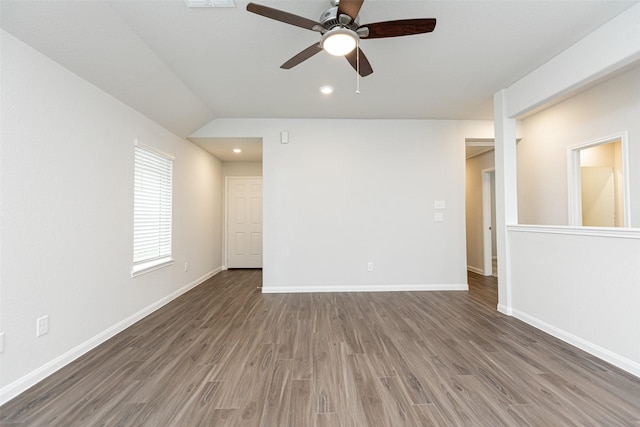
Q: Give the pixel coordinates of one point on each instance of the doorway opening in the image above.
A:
(598, 183)
(240, 157)
(490, 251)
(480, 207)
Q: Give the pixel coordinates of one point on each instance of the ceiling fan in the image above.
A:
(341, 31)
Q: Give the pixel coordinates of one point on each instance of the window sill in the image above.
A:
(148, 267)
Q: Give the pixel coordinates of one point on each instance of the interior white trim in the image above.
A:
(504, 309)
(148, 267)
(487, 251)
(22, 384)
(574, 187)
(364, 288)
(475, 270)
(616, 232)
(480, 142)
(600, 352)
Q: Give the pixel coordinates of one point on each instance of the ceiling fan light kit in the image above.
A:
(339, 41)
(342, 32)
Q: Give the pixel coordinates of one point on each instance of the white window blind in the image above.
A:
(152, 208)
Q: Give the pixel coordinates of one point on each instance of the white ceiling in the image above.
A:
(183, 67)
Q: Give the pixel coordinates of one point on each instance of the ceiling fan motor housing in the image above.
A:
(330, 19)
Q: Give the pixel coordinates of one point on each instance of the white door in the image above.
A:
(244, 222)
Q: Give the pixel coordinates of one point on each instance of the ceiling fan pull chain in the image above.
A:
(358, 67)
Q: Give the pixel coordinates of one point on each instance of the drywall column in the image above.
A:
(506, 194)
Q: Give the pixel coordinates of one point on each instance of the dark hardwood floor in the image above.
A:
(226, 355)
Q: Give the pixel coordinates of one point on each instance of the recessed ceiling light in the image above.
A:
(237, 150)
(326, 89)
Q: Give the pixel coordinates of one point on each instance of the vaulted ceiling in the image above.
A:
(183, 67)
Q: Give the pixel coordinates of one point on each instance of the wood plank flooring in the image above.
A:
(226, 355)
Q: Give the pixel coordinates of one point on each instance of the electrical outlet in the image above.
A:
(42, 326)
(1, 342)
(369, 266)
(186, 266)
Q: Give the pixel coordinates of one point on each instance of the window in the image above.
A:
(152, 207)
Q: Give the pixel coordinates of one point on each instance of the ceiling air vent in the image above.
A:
(209, 3)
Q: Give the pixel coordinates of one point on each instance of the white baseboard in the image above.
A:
(602, 353)
(363, 288)
(505, 310)
(22, 384)
(475, 270)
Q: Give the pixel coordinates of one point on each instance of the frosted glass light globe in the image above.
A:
(339, 41)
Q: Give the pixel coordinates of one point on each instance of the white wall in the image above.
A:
(579, 284)
(581, 288)
(473, 195)
(242, 168)
(66, 216)
(603, 110)
(343, 193)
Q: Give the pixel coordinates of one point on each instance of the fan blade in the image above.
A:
(365, 67)
(302, 56)
(279, 15)
(403, 27)
(350, 7)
